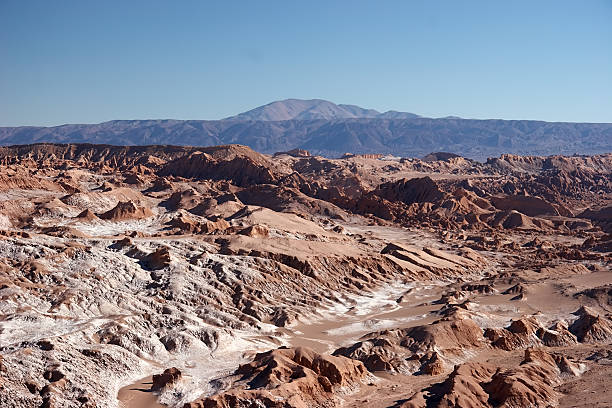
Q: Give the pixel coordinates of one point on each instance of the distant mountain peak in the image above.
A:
(310, 109)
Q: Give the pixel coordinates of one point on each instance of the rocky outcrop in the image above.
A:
(528, 332)
(185, 224)
(126, 210)
(165, 379)
(528, 205)
(158, 259)
(186, 199)
(239, 164)
(417, 349)
(87, 215)
(603, 214)
(427, 260)
(409, 191)
(600, 295)
(485, 385)
(287, 378)
(591, 326)
(257, 231)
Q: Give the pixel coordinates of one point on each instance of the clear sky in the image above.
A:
(92, 61)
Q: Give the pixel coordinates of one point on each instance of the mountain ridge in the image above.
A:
(409, 137)
(309, 109)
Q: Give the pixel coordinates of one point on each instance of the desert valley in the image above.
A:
(151, 276)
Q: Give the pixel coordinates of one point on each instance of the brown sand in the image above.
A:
(139, 395)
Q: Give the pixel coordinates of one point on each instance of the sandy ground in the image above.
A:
(138, 395)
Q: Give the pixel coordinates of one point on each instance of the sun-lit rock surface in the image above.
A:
(221, 277)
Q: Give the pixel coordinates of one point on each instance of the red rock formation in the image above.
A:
(528, 205)
(188, 225)
(527, 332)
(408, 191)
(87, 214)
(182, 200)
(391, 350)
(287, 378)
(484, 385)
(165, 379)
(238, 164)
(520, 334)
(257, 231)
(126, 210)
(591, 327)
(158, 259)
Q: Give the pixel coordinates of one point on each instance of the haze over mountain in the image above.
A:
(328, 129)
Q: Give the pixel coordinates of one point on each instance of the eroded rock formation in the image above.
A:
(297, 280)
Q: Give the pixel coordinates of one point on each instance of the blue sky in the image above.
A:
(92, 61)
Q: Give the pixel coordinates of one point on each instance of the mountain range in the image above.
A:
(331, 130)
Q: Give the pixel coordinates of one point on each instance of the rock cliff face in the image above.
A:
(221, 277)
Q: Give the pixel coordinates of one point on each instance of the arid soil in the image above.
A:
(220, 277)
